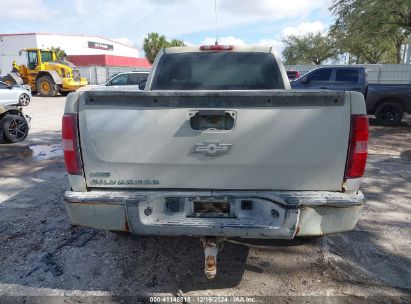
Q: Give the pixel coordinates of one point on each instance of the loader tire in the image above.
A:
(8, 80)
(46, 87)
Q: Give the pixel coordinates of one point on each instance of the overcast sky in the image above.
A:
(264, 22)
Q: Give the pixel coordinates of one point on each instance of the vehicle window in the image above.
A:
(347, 75)
(3, 86)
(143, 77)
(46, 56)
(32, 59)
(217, 71)
(320, 75)
(119, 80)
(135, 78)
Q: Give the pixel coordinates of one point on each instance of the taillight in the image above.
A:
(297, 74)
(217, 47)
(357, 153)
(71, 146)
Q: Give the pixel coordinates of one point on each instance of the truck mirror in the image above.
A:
(142, 84)
(305, 80)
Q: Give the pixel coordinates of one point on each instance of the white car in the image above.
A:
(128, 79)
(14, 95)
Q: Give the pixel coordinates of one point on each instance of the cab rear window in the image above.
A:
(217, 71)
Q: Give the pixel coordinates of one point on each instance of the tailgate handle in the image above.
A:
(218, 120)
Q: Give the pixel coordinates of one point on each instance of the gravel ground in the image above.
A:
(41, 254)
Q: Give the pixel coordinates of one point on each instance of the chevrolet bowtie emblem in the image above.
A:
(211, 148)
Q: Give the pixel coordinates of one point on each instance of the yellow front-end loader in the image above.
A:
(45, 75)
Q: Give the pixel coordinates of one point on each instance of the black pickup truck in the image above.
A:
(388, 102)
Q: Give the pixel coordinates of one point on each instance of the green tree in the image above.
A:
(176, 42)
(311, 48)
(60, 54)
(154, 42)
(363, 48)
(386, 22)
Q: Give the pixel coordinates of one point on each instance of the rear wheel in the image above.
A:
(46, 86)
(389, 113)
(15, 128)
(24, 99)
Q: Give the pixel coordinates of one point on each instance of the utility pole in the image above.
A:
(408, 61)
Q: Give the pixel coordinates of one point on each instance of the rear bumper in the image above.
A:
(275, 215)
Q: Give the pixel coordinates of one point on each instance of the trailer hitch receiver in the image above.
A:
(211, 246)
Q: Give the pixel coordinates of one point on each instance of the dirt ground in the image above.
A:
(41, 254)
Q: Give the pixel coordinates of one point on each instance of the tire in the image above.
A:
(46, 87)
(9, 80)
(15, 128)
(24, 99)
(33, 93)
(389, 113)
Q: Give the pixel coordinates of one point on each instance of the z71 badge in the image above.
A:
(211, 148)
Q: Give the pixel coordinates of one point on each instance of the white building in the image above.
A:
(82, 50)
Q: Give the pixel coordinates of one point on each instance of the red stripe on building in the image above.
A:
(109, 60)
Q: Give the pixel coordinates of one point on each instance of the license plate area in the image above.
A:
(212, 120)
(212, 208)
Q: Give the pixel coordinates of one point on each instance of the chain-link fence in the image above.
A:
(376, 73)
(101, 74)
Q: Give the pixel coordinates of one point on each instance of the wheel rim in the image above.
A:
(24, 99)
(45, 87)
(389, 113)
(17, 128)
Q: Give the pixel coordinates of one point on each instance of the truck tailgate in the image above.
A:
(273, 140)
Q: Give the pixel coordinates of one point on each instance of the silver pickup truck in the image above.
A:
(216, 146)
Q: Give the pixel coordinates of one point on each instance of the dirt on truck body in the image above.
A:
(217, 146)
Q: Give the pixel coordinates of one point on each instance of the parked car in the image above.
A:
(127, 79)
(388, 102)
(14, 95)
(293, 75)
(216, 149)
